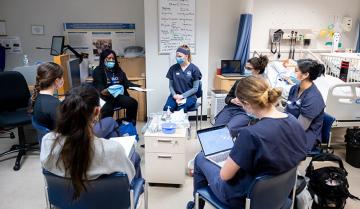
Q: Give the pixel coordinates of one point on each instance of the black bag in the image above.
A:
(352, 136)
(328, 185)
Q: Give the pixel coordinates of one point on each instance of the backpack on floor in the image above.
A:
(328, 184)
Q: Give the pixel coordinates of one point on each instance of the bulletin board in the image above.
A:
(176, 25)
(92, 38)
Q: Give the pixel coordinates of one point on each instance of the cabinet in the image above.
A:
(165, 157)
(225, 83)
(140, 97)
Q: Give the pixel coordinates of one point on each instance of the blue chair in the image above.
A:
(199, 94)
(265, 192)
(108, 191)
(326, 129)
(40, 130)
(326, 135)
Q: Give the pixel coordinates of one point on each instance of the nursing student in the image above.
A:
(112, 83)
(305, 101)
(43, 104)
(184, 82)
(233, 115)
(275, 144)
(72, 150)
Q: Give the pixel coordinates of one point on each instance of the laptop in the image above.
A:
(231, 68)
(216, 143)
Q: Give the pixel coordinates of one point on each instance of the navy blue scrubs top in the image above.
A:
(271, 146)
(183, 79)
(311, 105)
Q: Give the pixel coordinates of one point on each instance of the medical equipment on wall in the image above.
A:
(275, 42)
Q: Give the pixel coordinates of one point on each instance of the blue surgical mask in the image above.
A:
(110, 64)
(180, 60)
(247, 72)
(294, 79)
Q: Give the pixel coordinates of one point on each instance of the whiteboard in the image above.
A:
(176, 25)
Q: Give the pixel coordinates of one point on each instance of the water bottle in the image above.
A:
(168, 114)
(26, 60)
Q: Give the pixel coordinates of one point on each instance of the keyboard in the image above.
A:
(219, 157)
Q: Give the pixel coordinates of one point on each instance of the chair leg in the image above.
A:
(132, 206)
(247, 203)
(146, 195)
(294, 191)
(197, 118)
(196, 200)
(201, 114)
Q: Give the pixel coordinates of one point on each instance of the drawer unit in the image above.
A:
(165, 168)
(165, 157)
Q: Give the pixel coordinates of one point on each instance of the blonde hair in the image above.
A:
(256, 91)
(186, 47)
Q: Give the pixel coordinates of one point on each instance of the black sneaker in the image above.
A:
(190, 205)
(142, 146)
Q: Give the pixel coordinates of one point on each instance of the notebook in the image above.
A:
(216, 143)
(128, 143)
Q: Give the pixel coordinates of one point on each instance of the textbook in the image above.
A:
(128, 143)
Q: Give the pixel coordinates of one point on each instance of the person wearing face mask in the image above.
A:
(233, 115)
(43, 104)
(184, 80)
(111, 82)
(305, 101)
(274, 145)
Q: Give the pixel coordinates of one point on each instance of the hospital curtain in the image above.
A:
(243, 40)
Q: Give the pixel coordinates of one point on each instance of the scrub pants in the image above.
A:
(136, 160)
(208, 174)
(171, 102)
(123, 101)
(234, 117)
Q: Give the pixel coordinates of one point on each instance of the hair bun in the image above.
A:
(273, 95)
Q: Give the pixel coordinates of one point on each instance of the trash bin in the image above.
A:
(352, 138)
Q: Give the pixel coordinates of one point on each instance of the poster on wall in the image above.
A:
(12, 44)
(176, 25)
(93, 38)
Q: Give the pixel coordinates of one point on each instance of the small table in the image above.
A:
(165, 157)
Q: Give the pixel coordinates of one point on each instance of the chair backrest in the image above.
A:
(272, 192)
(108, 191)
(326, 128)
(40, 130)
(199, 92)
(14, 92)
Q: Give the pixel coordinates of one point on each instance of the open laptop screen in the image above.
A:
(214, 140)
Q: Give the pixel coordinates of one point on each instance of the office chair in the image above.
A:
(40, 130)
(265, 192)
(199, 94)
(14, 100)
(108, 191)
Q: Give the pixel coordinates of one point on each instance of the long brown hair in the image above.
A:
(47, 73)
(74, 123)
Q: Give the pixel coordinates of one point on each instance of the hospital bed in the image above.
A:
(342, 98)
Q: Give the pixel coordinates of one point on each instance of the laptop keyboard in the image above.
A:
(219, 157)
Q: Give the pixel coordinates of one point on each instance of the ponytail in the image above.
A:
(74, 123)
(47, 73)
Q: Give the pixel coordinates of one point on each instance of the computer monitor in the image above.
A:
(74, 68)
(57, 45)
(231, 67)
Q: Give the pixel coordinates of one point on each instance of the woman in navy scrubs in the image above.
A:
(305, 101)
(107, 74)
(275, 144)
(233, 115)
(184, 81)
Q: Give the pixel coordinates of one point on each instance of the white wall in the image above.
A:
(20, 14)
(158, 65)
(305, 14)
(224, 23)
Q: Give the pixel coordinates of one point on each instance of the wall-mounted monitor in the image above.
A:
(57, 45)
